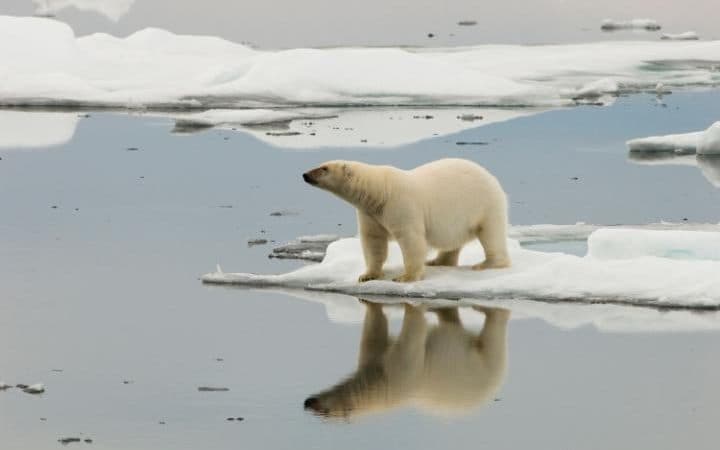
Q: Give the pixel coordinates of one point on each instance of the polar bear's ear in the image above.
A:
(347, 171)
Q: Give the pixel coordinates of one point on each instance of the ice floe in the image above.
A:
(22, 130)
(705, 142)
(681, 149)
(643, 279)
(638, 24)
(686, 36)
(47, 64)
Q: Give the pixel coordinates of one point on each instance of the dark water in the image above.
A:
(104, 287)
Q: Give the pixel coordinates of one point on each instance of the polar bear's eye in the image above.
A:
(324, 169)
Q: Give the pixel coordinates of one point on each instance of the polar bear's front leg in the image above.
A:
(374, 240)
(414, 251)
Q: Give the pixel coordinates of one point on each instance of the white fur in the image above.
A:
(442, 205)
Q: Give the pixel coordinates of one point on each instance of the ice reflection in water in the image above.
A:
(709, 165)
(440, 369)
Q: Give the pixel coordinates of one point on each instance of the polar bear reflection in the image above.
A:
(440, 369)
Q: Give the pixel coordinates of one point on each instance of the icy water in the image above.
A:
(105, 232)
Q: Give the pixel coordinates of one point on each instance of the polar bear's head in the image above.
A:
(331, 176)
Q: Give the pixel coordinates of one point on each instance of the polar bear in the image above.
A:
(445, 369)
(443, 205)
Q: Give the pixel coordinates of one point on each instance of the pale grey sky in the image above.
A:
(292, 23)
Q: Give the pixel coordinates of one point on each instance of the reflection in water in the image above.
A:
(709, 165)
(440, 369)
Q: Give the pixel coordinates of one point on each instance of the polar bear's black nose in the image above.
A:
(308, 178)
(311, 403)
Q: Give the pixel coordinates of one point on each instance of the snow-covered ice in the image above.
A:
(112, 9)
(686, 36)
(638, 24)
(705, 142)
(37, 388)
(312, 248)
(681, 149)
(643, 279)
(22, 130)
(621, 243)
(47, 64)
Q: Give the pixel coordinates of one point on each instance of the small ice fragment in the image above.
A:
(254, 242)
(212, 389)
(69, 440)
(467, 23)
(686, 36)
(37, 388)
(4, 386)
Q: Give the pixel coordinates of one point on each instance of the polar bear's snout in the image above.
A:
(308, 178)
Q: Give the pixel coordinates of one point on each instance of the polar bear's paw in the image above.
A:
(406, 278)
(368, 276)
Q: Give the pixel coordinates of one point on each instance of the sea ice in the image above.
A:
(641, 280)
(112, 9)
(22, 130)
(46, 64)
(686, 36)
(705, 142)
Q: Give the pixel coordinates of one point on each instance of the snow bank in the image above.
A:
(701, 142)
(346, 309)
(686, 36)
(46, 64)
(641, 280)
(112, 9)
(637, 24)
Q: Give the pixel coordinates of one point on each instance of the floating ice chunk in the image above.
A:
(23, 129)
(325, 238)
(709, 143)
(38, 388)
(645, 280)
(701, 142)
(626, 244)
(638, 24)
(686, 36)
(683, 143)
(4, 386)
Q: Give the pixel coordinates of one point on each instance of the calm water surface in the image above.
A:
(102, 247)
